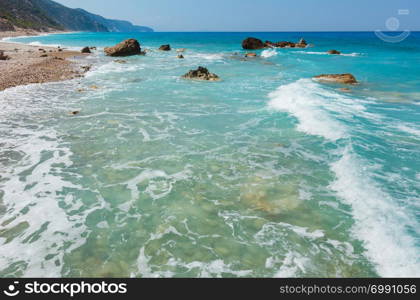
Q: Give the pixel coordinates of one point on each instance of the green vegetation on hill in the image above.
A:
(26, 14)
(45, 15)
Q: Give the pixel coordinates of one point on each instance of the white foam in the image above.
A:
(34, 184)
(268, 53)
(113, 67)
(210, 269)
(308, 102)
(206, 56)
(326, 53)
(409, 129)
(380, 222)
(292, 265)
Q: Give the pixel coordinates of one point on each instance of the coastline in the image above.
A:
(29, 64)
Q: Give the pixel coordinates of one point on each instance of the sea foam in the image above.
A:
(380, 222)
(308, 102)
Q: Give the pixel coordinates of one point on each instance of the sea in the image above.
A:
(267, 173)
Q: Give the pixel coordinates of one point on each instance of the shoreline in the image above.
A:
(29, 64)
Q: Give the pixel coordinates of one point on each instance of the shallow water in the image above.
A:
(264, 174)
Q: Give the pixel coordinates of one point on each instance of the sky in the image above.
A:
(258, 15)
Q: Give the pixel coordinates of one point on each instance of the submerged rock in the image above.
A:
(86, 68)
(165, 48)
(335, 52)
(253, 44)
(120, 61)
(181, 50)
(337, 78)
(86, 50)
(201, 74)
(345, 90)
(126, 48)
(271, 197)
(251, 54)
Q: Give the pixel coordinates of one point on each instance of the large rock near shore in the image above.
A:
(165, 48)
(86, 50)
(126, 48)
(337, 78)
(253, 44)
(201, 74)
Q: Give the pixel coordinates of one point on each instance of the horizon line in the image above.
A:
(275, 31)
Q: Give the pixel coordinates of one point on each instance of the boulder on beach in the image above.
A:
(201, 74)
(337, 78)
(86, 50)
(126, 48)
(3, 56)
(165, 48)
(334, 52)
(253, 44)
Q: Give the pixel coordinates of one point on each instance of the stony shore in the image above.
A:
(28, 64)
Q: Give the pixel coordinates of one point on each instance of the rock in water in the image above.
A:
(180, 56)
(126, 48)
(285, 44)
(86, 50)
(253, 44)
(201, 74)
(337, 78)
(334, 52)
(251, 54)
(345, 90)
(165, 48)
(301, 44)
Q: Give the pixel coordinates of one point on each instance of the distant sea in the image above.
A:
(267, 173)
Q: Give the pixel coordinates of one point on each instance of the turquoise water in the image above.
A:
(264, 174)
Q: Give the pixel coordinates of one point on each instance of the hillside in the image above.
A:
(46, 15)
